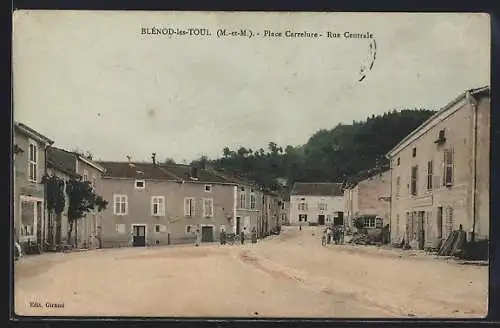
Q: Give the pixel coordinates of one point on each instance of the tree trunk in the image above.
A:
(50, 227)
(58, 229)
(76, 234)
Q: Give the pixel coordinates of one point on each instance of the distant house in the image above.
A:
(285, 210)
(29, 163)
(158, 204)
(369, 198)
(317, 203)
(440, 174)
(271, 212)
(248, 211)
(71, 165)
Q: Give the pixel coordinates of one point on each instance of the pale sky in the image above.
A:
(90, 80)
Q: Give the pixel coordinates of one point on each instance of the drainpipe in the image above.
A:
(390, 198)
(45, 209)
(473, 104)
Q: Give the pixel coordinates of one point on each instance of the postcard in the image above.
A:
(250, 164)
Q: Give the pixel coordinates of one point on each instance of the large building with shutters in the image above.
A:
(159, 204)
(440, 174)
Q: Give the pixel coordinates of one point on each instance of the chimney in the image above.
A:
(153, 157)
(130, 161)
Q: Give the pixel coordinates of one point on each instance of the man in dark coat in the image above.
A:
(242, 236)
(254, 236)
(222, 237)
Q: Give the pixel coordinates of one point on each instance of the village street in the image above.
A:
(290, 275)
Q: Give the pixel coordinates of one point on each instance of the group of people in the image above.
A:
(335, 234)
(223, 237)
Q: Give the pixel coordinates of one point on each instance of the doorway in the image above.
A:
(421, 230)
(139, 235)
(321, 219)
(39, 219)
(238, 225)
(440, 222)
(207, 234)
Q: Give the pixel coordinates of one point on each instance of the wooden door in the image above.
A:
(139, 235)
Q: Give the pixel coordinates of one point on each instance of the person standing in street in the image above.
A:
(254, 236)
(242, 236)
(222, 236)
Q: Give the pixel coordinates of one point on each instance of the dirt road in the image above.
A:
(287, 276)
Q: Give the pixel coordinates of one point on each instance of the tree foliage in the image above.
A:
(82, 200)
(55, 197)
(342, 154)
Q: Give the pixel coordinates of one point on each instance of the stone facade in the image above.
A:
(440, 174)
(369, 197)
(29, 164)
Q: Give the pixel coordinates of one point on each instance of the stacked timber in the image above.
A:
(454, 244)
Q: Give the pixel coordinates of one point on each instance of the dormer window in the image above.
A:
(242, 188)
(140, 184)
(441, 137)
(208, 188)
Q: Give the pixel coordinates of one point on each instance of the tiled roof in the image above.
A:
(234, 178)
(184, 172)
(136, 170)
(61, 160)
(32, 133)
(425, 126)
(317, 189)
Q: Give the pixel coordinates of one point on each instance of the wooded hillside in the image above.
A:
(343, 153)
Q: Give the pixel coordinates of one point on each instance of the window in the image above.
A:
(140, 184)
(414, 152)
(242, 189)
(33, 162)
(322, 206)
(158, 206)
(370, 222)
(120, 205)
(302, 206)
(243, 200)
(188, 229)
(398, 186)
(253, 201)
(120, 228)
(413, 180)
(94, 179)
(157, 228)
(208, 188)
(398, 161)
(430, 169)
(208, 207)
(189, 206)
(302, 217)
(448, 167)
(85, 176)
